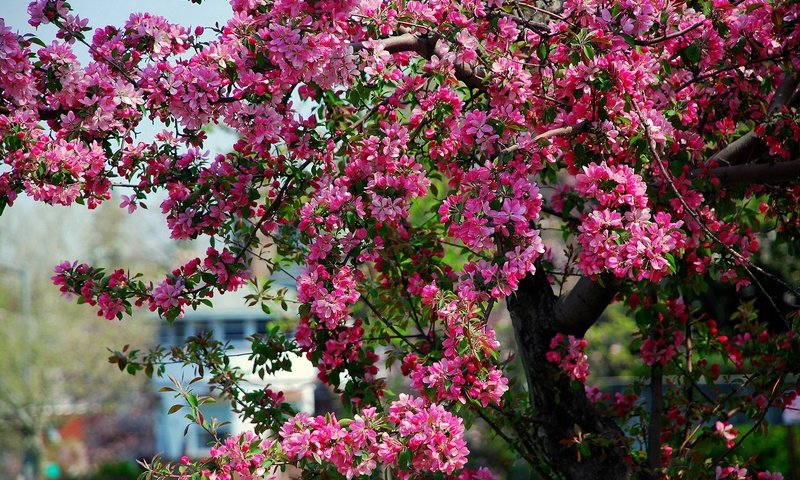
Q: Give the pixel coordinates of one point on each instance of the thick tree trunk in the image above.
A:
(566, 419)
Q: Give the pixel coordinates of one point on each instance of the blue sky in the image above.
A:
(115, 12)
(146, 226)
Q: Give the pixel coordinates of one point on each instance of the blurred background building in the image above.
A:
(230, 323)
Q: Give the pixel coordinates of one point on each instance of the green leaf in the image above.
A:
(37, 41)
(585, 451)
(629, 39)
(671, 261)
(542, 51)
(693, 53)
(588, 51)
(753, 8)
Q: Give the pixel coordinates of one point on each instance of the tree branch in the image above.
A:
(577, 311)
(786, 94)
(537, 27)
(677, 34)
(740, 150)
(568, 131)
(656, 411)
(44, 113)
(763, 173)
(48, 114)
(471, 75)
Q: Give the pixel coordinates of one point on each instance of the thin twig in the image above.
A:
(707, 75)
(555, 132)
(755, 426)
(80, 37)
(677, 34)
(386, 322)
(270, 211)
(542, 11)
(744, 261)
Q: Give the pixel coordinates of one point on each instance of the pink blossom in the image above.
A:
(727, 432)
(167, 295)
(568, 353)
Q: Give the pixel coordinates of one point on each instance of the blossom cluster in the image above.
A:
(568, 353)
(727, 432)
(240, 457)
(116, 293)
(432, 436)
(494, 204)
(621, 235)
(735, 472)
(661, 349)
(465, 370)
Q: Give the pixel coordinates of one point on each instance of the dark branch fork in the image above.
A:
(742, 150)
(564, 413)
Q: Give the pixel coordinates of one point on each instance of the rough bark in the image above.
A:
(563, 412)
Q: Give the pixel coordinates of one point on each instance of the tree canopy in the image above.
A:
(428, 163)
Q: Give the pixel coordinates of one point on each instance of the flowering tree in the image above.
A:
(409, 155)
